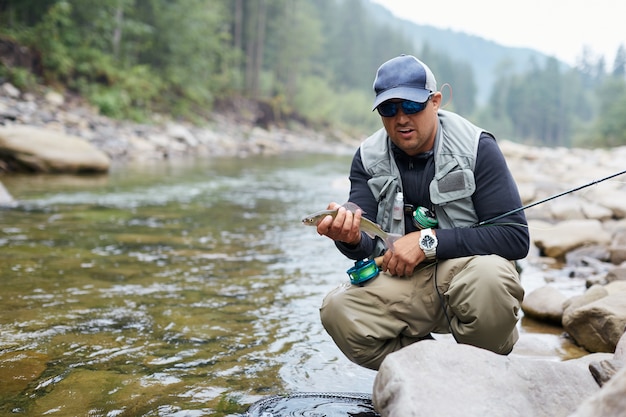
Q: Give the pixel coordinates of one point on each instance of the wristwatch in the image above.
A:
(428, 243)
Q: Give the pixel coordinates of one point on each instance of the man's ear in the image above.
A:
(436, 99)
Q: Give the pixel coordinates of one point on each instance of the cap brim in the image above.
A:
(407, 93)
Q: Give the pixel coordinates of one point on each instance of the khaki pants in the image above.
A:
(482, 295)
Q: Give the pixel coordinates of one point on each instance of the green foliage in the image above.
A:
(310, 59)
(609, 129)
(348, 109)
(55, 36)
(131, 96)
(21, 78)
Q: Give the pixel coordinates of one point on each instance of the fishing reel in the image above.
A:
(363, 271)
(424, 218)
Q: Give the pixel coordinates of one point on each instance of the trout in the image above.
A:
(369, 227)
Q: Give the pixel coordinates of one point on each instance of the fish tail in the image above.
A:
(353, 207)
(391, 238)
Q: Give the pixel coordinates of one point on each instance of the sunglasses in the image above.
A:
(390, 108)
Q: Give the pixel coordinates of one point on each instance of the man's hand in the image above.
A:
(344, 227)
(405, 257)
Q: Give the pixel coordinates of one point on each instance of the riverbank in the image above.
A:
(227, 134)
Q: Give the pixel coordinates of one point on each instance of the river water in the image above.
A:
(186, 288)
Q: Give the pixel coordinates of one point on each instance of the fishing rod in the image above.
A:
(366, 269)
(548, 199)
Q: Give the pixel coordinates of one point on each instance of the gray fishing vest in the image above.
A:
(451, 189)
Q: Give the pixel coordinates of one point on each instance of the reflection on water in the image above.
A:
(160, 289)
(168, 290)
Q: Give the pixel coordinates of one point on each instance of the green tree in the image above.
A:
(619, 65)
(542, 104)
(609, 128)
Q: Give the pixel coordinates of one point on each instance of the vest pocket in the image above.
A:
(455, 185)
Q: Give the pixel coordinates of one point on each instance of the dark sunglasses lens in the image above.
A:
(390, 108)
(412, 107)
(387, 109)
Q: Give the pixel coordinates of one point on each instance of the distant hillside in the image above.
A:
(484, 56)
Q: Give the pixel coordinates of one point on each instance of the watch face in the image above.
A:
(428, 242)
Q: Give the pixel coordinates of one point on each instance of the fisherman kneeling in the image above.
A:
(447, 277)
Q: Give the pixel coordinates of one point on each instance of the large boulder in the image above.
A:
(597, 318)
(556, 240)
(437, 378)
(610, 401)
(34, 149)
(545, 304)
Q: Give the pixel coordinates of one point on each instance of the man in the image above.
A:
(454, 277)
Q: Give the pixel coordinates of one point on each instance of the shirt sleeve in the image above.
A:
(496, 193)
(361, 195)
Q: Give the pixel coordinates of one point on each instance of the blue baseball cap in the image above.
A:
(404, 77)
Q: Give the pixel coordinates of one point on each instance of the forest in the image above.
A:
(309, 61)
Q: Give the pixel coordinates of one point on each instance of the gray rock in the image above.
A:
(610, 401)
(603, 371)
(620, 349)
(545, 304)
(616, 274)
(596, 319)
(42, 150)
(555, 240)
(435, 378)
(10, 90)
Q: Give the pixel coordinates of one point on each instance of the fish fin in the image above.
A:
(350, 206)
(371, 235)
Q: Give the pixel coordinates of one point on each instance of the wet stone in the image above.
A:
(602, 371)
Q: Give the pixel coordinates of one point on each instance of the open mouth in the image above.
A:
(405, 131)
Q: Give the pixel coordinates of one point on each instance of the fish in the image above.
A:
(369, 227)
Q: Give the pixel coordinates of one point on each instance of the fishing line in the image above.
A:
(443, 106)
(443, 305)
(487, 223)
(508, 213)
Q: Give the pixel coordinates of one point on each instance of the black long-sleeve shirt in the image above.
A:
(496, 193)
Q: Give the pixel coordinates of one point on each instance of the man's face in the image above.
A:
(414, 133)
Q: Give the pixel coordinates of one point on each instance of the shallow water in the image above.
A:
(174, 289)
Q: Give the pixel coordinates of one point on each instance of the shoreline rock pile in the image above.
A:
(163, 138)
(442, 378)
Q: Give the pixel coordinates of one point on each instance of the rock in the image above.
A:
(555, 240)
(587, 255)
(596, 211)
(602, 371)
(620, 350)
(615, 200)
(596, 319)
(182, 134)
(616, 274)
(10, 90)
(40, 150)
(610, 401)
(618, 254)
(54, 98)
(568, 207)
(545, 304)
(435, 378)
(618, 247)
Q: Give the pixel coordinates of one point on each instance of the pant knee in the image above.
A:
(485, 300)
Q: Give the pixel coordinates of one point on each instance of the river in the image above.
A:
(187, 288)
